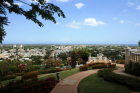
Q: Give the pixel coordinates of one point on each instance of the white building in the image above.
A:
(132, 55)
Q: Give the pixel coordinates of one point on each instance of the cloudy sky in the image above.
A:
(86, 22)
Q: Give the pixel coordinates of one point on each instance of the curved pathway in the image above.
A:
(69, 84)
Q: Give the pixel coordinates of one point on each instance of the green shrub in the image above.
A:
(20, 74)
(8, 77)
(29, 76)
(13, 69)
(61, 65)
(43, 71)
(31, 86)
(107, 74)
(36, 67)
(135, 69)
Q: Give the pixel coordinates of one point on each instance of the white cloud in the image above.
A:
(121, 21)
(79, 5)
(125, 15)
(74, 24)
(114, 18)
(138, 8)
(130, 4)
(125, 10)
(14, 3)
(62, 0)
(129, 22)
(137, 24)
(93, 22)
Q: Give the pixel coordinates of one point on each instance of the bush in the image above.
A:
(8, 77)
(61, 65)
(36, 67)
(43, 71)
(135, 69)
(107, 74)
(29, 76)
(14, 69)
(84, 68)
(113, 65)
(31, 86)
(20, 74)
(120, 61)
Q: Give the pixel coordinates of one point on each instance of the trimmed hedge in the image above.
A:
(96, 65)
(21, 86)
(133, 68)
(29, 76)
(8, 77)
(131, 82)
(120, 61)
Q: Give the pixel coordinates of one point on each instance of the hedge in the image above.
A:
(41, 86)
(130, 82)
(8, 77)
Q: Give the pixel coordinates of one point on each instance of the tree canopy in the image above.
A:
(46, 10)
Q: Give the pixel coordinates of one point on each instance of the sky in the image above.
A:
(86, 22)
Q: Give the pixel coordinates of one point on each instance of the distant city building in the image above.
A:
(20, 46)
(14, 46)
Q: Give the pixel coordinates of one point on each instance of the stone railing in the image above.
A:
(95, 59)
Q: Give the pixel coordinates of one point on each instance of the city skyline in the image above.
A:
(92, 22)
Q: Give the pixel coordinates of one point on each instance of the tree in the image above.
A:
(46, 10)
(48, 53)
(63, 56)
(123, 56)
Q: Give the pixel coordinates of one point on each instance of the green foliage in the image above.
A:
(123, 56)
(63, 56)
(32, 86)
(48, 53)
(29, 76)
(2, 32)
(135, 69)
(131, 82)
(61, 65)
(36, 67)
(14, 69)
(8, 77)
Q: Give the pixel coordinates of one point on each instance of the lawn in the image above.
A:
(7, 81)
(95, 84)
(63, 75)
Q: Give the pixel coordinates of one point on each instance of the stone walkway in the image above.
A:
(70, 84)
(122, 71)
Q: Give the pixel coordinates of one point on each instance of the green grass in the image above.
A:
(7, 81)
(63, 75)
(95, 84)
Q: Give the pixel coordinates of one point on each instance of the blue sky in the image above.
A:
(86, 22)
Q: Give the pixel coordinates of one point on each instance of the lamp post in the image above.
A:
(58, 76)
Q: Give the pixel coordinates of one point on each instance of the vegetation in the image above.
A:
(130, 82)
(133, 68)
(95, 84)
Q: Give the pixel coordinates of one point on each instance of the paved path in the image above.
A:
(122, 71)
(70, 84)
